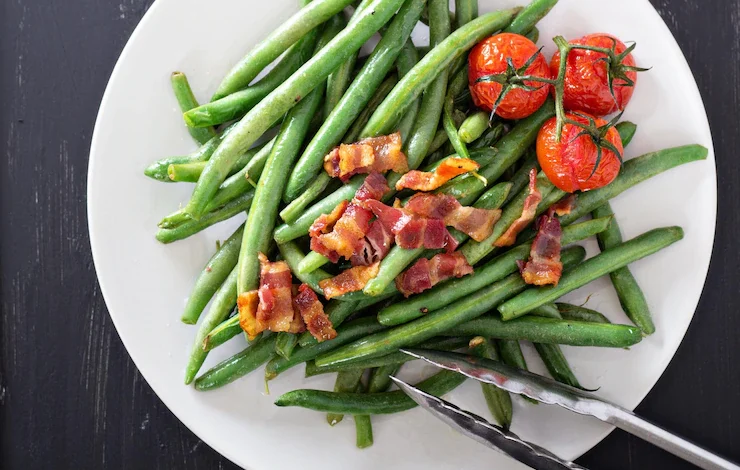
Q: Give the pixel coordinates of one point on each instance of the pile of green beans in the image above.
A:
(265, 162)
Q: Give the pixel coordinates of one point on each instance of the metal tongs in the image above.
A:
(547, 391)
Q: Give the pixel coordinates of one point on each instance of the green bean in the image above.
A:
(440, 138)
(556, 364)
(603, 263)
(407, 58)
(285, 344)
(234, 186)
(547, 311)
(192, 226)
(423, 50)
(355, 98)
(238, 365)
(444, 294)
(530, 16)
(288, 33)
(630, 295)
(475, 251)
(347, 381)
(474, 126)
(432, 102)
(380, 378)
(430, 66)
(337, 312)
(634, 171)
(576, 312)
(185, 172)
(293, 255)
(186, 100)
(511, 354)
(497, 399)
(259, 226)
(551, 331)
(533, 35)
(438, 344)
(435, 323)
(399, 258)
(189, 172)
(212, 277)
(520, 180)
(451, 129)
(236, 104)
(226, 330)
(158, 169)
(510, 148)
(551, 354)
(364, 431)
(626, 131)
(465, 12)
(223, 301)
(292, 211)
(353, 134)
(489, 137)
(369, 403)
(345, 333)
(339, 80)
(283, 98)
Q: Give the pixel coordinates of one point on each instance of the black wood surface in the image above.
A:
(70, 397)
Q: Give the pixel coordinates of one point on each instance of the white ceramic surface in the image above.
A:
(145, 284)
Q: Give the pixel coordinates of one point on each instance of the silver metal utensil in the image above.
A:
(548, 391)
(486, 433)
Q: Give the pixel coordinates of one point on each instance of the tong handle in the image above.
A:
(633, 424)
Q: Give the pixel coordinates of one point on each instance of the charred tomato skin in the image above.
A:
(586, 86)
(489, 57)
(569, 164)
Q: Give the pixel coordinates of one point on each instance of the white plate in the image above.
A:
(145, 283)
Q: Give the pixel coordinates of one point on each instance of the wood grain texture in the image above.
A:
(70, 397)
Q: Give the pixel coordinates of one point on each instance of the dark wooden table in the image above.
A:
(70, 397)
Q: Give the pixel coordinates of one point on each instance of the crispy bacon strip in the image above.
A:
(544, 266)
(413, 231)
(474, 222)
(564, 206)
(374, 154)
(426, 273)
(529, 211)
(350, 280)
(376, 245)
(275, 295)
(429, 181)
(247, 303)
(325, 222)
(312, 312)
(375, 186)
(347, 234)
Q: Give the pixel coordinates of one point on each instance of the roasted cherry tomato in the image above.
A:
(569, 164)
(489, 60)
(587, 76)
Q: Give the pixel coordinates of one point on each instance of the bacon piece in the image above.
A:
(346, 236)
(544, 266)
(429, 181)
(247, 303)
(325, 222)
(350, 280)
(413, 231)
(474, 222)
(426, 273)
(312, 312)
(376, 245)
(529, 211)
(564, 206)
(374, 154)
(275, 295)
(375, 186)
